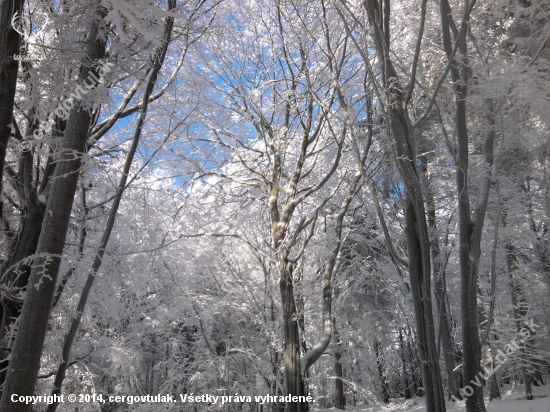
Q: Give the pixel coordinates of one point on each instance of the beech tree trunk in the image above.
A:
(291, 346)
(404, 377)
(17, 275)
(446, 342)
(470, 228)
(520, 309)
(381, 376)
(16, 270)
(10, 44)
(440, 288)
(416, 231)
(75, 323)
(24, 245)
(340, 398)
(492, 382)
(33, 321)
(494, 392)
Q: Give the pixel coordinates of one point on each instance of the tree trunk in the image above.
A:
(18, 272)
(446, 342)
(17, 268)
(414, 364)
(17, 278)
(416, 379)
(340, 398)
(470, 229)
(33, 321)
(381, 376)
(291, 345)
(494, 392)
(418, 242)
(404, 377)
(429, 364)
(10, 44)
(440, 290)
(67, 346)
(520, 308)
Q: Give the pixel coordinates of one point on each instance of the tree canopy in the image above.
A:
(346, 201)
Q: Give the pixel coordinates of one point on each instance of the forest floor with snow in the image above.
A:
(512, 401)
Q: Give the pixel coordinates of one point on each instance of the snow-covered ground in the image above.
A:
(512, 401)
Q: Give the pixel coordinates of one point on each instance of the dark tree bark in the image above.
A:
(340, 398)
(520, 309)
(33, 321)
(10, 44)
(16, 280)
(404, 375)
(416, 231)
(291, 347)
(83, 233)
(494, 392)
(439, 268)
(470, 228)
(381, 376)
(16, 273)
(69, 340)
(17, 268)
(446, 341)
